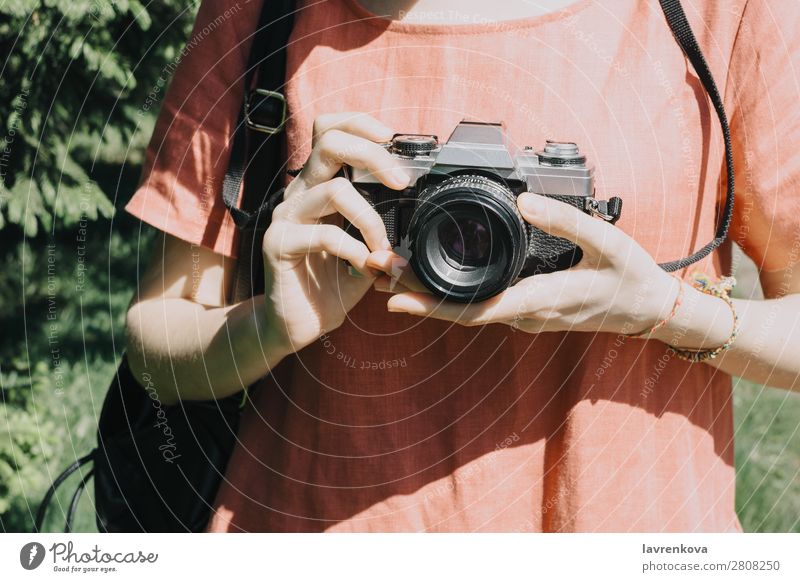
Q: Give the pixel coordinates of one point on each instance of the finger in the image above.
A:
(337, 195)
(336, 148)
(359, 124)
(386, 284)
(503, 308)
(398, 269)
(286, 240)
(388, 262)
(561, 219)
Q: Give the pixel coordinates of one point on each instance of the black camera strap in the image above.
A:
(682, 31)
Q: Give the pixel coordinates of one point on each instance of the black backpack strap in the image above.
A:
(42, 511)
(76, 497)
(263, 112)
(682, 31)
(256, 153)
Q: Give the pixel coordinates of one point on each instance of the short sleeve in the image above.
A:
(764, 106)
(181, 183)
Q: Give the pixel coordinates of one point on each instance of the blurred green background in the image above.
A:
(72, 88)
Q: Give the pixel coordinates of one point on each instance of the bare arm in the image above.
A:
(196, 346)
(767, 347)
(182, 335)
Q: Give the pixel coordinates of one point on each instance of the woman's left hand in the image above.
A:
(617, 287)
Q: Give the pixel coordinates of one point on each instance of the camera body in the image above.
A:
(457, 222)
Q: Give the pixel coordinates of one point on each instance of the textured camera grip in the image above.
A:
(385, 203)
(548, 253)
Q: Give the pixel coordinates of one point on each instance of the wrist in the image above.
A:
(701, 322)
(274, 341)
(655, 304)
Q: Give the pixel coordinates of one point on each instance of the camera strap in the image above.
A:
(682, 31)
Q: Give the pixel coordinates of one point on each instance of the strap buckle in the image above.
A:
(265, 111)
(608, 210)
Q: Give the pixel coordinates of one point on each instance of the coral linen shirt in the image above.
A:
(395, 423)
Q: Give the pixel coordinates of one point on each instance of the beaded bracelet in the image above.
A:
(721, 289)
(671, 314)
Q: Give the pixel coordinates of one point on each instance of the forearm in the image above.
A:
(192, 352)
(766, 348)
(768, 345)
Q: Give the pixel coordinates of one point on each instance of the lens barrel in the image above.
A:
(468, 240)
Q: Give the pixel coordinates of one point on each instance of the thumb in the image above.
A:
(561, 219)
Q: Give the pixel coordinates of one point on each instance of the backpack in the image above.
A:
(135, 489)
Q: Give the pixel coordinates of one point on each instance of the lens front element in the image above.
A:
(467, 238)
(467, 241)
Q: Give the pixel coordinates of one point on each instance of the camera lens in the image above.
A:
(467, 238)
(466, 241)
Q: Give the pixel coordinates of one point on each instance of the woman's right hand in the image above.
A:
(309, 290)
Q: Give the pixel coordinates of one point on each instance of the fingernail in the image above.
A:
(353, 272)
(399, 262)
(384, 132)
(386, 244)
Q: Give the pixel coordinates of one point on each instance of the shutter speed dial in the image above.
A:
(411, 145)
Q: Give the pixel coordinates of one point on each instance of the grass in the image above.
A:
(767, 439)
(767, 458)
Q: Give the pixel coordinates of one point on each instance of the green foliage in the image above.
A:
(75, 69)
(59, 353)
(73, 126)
(25, 444)
(51, 431)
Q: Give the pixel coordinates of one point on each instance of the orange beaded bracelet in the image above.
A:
(722, 290)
